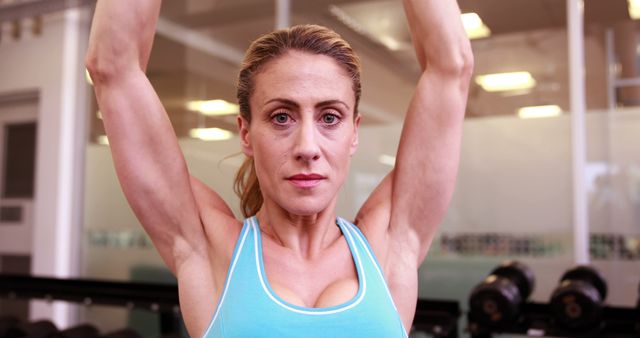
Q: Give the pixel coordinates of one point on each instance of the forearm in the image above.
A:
(121, 37)
(438, 35)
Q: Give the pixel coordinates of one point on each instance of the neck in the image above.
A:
(306, 235)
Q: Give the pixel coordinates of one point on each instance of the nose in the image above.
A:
(307, 147)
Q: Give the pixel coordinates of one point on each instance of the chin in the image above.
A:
(306, 206)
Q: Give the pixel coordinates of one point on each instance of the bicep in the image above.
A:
(427, 160)
(149, 164)
(404, 210)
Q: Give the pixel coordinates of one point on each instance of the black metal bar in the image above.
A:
(436, 317)
(150, 296)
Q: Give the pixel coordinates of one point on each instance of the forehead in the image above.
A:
(301, 76)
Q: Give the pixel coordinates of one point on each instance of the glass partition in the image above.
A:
(613, 168)
(513, 198)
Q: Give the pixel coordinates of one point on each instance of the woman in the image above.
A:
(294, 269)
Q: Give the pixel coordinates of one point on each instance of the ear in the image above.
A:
(245, 139)
(354, 140)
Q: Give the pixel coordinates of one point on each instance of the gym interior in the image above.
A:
(542, 237)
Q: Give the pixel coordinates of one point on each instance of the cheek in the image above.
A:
(341, 154)
(269, 154)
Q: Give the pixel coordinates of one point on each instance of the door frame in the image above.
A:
(17, 108)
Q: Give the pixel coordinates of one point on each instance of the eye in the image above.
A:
(280, 118)
(330, 119)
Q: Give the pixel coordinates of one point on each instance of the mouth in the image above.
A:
(306, 180)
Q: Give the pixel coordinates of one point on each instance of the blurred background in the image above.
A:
(519, 189)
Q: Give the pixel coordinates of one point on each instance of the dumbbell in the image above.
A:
(10, 327)
(577, 303)
(80, 331)
(123, 333)
(496, 301)
(40, 329)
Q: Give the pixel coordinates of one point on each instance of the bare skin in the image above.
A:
(303, 125)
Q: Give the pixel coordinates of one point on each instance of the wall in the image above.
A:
(51, 65)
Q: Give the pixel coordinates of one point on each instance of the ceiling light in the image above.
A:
(389, 42)
(210, 134)
(634, 9)
(379, 29)
(506, 81)
(347, 19)
(539, 111)
(213, 107)
(474, 26)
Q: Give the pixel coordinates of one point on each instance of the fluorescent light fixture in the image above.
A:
(390, 42)
(213, 107)
(634, 9)
(377, 31)
(210, 134)
(347, 19)
(102, 139)
(387, 160)
(539, 111)
(474, 26)
(506, 81)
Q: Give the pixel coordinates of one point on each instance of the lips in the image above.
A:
(306, 180)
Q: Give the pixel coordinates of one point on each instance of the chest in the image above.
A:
(250, 307)
(327, 280)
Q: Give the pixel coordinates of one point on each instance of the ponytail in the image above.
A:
(247, 187)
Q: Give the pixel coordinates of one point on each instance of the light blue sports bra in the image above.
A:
(248, 307)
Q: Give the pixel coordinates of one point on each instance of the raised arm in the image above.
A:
(149, 163)
(428, 154)
(413, 198)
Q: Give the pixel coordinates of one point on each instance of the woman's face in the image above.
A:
(302, 132)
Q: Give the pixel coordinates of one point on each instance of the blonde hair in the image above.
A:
(308, 38)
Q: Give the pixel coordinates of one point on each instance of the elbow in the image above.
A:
(461, 66)
(457, 63)
(466, 64)
(103, 67)
(464, 71)
(99, 69)
(459, 70)
(91, 64)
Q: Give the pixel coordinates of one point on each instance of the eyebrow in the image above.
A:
(294, 104)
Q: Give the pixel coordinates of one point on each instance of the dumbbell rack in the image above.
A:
(160, 298)
(436, 317)
(536, 320)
